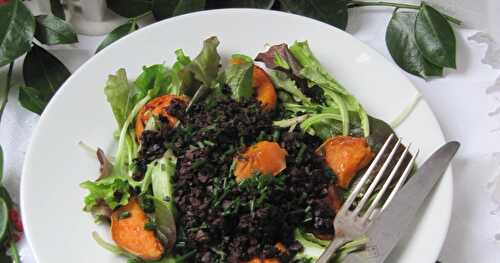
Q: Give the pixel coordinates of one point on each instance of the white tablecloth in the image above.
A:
(466, 103)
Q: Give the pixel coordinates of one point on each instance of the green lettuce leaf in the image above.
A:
(339, 97)
(239, 79)
(119, 95)
(107, 190)
(206, 65)
(180, 76)
(154, 78)
(162, 173)
(283, 82)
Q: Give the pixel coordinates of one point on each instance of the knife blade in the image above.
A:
(394, 221)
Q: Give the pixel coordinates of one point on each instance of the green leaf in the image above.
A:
(239, 79)
(57, 9)
(17, 26)
(262, 4)
(44, 73)
(169, 8)
(107, 189)
(153, 78)
(4, 219)
(181, 78)
(30, 99)
(165, 219)
(118, 33)
(162, 175)
(1, 163)
(283, 82)
(400, 40)
(118, 93)
(435, 37)
(51, 30)
(206, 65)
(129, 8)
(333, 12)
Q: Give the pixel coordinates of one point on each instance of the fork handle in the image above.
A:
(330, 250)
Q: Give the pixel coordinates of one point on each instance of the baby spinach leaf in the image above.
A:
(17, 27)
(333, 12)
(118, 33)
(129, 8)
(206, 65)
(57, 9)
(263, 4)
(169, 8)
(239, 79)
(30, 99)
(118, 93)
(44, 73)
(51, 30)
(435, 37)
(400, 40)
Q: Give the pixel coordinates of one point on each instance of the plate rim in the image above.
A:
(448, 176)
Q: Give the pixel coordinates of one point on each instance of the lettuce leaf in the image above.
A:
(206, 65)
(162, 173)
(107, 190)
(283, 82)
(119, 95)
(239, 79)
(315, 73)
(154, 78)
(279, 57)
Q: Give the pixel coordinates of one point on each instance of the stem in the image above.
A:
(14, 254)
(5, 92)
(355, 3)
(141, 16)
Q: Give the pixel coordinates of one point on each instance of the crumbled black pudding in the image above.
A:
(225, 221)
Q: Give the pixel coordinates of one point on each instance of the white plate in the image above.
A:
(51, 199)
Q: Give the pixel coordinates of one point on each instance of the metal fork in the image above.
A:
(352, 224)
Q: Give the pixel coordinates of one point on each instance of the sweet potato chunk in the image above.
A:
(156, 107)
(279, 246)
(264, 88)
(265, 157)
(127, 230)
(345, 155)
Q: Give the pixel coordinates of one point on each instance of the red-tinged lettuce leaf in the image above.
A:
(279, 57)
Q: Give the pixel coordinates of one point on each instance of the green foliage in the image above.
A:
(239, 79)
(51, 30)
(17, 27)
(43, 74)
(333, 12)
(118, 33)
(435, 37)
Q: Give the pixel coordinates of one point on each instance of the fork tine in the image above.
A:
(361, 182)
(401, 180)
(387, 182)
(375, 181)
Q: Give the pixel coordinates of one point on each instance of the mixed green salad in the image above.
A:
(230, 164)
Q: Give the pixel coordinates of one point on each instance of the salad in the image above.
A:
(232, 163)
